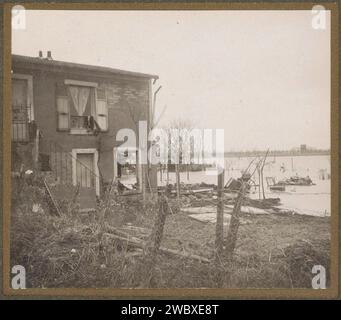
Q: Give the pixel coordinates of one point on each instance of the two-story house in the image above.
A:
(71, 114)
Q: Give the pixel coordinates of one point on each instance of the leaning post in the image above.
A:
(153, 244)
(220, 229)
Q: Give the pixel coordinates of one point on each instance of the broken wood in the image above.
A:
(189, 192)
(138, 243)
(233, 231)
(152, 245)
(220, 218)
(184, 255)
(137, 229)
(177, 177)
(36, 150)
(219, 230)
(262, 173)
(120, 233)
(51, 200)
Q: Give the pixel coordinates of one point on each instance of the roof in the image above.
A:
(85, 67)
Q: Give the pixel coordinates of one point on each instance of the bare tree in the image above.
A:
(260, 171)
(137, 113)
(178, 136)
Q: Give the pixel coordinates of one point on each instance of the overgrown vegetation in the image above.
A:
(272, 251)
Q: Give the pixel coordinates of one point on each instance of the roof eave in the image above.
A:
(83, 67)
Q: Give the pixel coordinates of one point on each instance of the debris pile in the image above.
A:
(110, 247)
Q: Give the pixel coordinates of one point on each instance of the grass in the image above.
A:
(273, 251)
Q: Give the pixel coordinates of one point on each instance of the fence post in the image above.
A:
(153, 245)
(178, 187)
(36, 150)
(232, 234)
(220, 230)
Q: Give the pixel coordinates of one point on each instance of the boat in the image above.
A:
(273, 186)
(277, 187)
(297, 181)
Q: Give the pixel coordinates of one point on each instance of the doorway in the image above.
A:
(84, 170)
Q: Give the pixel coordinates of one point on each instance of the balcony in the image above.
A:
(23, 130)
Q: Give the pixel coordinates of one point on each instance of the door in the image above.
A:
(20, 110)
(85, 177)
(85, 170)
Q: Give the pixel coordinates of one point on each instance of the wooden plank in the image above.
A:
(138, 243)
(188, 192)
(51, 198)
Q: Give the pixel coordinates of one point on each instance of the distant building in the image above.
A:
(303, 148)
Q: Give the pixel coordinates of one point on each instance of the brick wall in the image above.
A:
(124, 97)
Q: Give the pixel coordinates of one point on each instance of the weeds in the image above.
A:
(71, 251)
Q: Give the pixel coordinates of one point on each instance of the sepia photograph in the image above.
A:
(171, 149)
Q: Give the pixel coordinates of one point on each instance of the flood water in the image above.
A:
(311, 200)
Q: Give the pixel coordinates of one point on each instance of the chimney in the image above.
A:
(49, 56)
(40, 54)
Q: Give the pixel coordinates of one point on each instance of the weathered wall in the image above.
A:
(126, 97)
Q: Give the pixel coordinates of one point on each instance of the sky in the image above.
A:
(262, 76)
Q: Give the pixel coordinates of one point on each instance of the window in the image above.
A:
(102, 109)
(63, 113)
(62, 108)
(81, 107)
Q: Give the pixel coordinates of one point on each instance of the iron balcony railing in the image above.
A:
(84, 122)
(22, 128)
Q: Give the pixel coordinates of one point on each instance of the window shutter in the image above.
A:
(62, 105)
(102, 109)
(102, 115)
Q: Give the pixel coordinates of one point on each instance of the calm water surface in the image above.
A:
(311, 200)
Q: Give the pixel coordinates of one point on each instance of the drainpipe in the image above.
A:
(153, 106)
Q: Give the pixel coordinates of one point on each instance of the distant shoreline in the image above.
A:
(276, 154)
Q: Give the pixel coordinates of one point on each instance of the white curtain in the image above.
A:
(80, 96)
